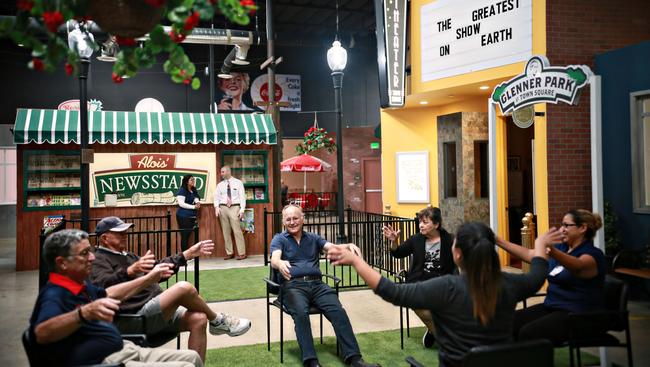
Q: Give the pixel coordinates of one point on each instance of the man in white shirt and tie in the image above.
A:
(229, 205)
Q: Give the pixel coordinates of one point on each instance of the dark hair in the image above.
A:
(59, 244)
(186, 180)
(481, 265)
(593, 221)
(432, 213)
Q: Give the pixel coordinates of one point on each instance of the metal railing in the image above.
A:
(363, 229)
(153, 233)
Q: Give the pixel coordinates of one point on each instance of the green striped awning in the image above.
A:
(112, 127)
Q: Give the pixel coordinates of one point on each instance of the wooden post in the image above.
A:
(527, 237)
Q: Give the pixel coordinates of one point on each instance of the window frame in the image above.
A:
(639, 194)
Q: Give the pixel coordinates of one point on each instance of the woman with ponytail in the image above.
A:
(576, 276)
(473, 308)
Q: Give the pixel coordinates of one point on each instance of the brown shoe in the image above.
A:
(228, 257)
(241, 257)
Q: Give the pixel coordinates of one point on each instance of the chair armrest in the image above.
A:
(413, 363)
(336, 279)
(271, 283)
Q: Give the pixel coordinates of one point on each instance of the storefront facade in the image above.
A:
(545, 168)
(139, 161)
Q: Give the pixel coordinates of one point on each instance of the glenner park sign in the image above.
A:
(541, 83)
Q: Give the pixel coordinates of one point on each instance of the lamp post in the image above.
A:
(81, 42)
(337, 58)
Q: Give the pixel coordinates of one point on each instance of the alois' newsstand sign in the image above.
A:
(541, 83)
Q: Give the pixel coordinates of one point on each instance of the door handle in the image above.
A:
(373, 190)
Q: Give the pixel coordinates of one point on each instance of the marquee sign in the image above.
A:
(391, 50)
(542, 83)
(149, 178)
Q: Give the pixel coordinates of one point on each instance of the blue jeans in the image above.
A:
(298, 296)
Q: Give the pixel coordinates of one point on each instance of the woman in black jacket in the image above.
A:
(432, 257)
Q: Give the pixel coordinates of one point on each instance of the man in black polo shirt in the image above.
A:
(72, 320)
(296, 255)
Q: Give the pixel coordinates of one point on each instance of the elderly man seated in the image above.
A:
(295, 254)
(178, 308)
(72, 319)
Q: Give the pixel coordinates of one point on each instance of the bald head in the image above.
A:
(225, 173)
(293, 219)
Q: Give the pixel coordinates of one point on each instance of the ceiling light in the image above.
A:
(109, 50)
(424, 102)
(484, 87)
(240, 55)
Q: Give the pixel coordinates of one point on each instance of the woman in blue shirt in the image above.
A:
(188, 204)
(576, 276)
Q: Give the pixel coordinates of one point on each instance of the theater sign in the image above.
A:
(122, 179)
(541, 83)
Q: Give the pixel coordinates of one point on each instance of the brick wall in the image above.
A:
(576, 31)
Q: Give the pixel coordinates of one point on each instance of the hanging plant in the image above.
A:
(183, 15)
(316, 138)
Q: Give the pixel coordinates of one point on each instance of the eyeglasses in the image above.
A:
(85, 252)
(567, 225)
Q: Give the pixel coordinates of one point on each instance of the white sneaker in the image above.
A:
(226, 324)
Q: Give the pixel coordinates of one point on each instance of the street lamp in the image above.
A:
(82, 41)
(337, 57)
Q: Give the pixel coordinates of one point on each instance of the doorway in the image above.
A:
(371, 178)
(520, 180)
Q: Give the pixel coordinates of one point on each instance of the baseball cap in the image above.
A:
(113, 224)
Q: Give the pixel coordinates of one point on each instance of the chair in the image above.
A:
(37, 360)
(401, 277)
(532, 353)
(615, 318)
(144, 340)
(273, 289)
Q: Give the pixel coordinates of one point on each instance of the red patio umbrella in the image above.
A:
(304, 163)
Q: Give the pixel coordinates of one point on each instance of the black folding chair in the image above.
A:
(273, 289)
(37, 360)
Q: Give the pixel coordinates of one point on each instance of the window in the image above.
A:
(640, 129)
(7, 175)
(481, 182)
(449, 159)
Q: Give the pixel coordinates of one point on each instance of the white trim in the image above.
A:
(492, 165)
(597, 202)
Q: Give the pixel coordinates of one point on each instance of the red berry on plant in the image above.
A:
(53, 20)
(117, 78)
(24, 5)
(37, 64)
(68, 68)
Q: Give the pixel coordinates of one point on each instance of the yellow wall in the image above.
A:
(415, 128)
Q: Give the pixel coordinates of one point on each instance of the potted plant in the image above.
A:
(316, 138)
(612, 241)
(126, 20)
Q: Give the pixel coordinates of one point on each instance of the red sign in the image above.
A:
(264, 92)
(152, 161)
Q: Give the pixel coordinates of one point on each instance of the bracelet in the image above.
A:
(82, 319)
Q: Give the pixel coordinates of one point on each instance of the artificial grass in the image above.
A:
(246, 283)
(378, 347)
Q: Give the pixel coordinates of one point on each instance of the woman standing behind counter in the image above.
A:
(188, 205)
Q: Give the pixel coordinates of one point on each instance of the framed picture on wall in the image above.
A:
(412, 171)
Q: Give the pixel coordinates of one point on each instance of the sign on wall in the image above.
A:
(122, 179)
(412, 172)
(287, 89)
(391, 50)
(541, 82)
(459, 37)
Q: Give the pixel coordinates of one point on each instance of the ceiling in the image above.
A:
(299, 22)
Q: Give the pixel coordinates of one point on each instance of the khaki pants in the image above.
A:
(229, 218)
(135, 356)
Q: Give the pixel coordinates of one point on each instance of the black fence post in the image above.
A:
(196, 260)
(266, 238)
(169, 233)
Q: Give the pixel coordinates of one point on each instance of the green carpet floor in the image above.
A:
(378, 347)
